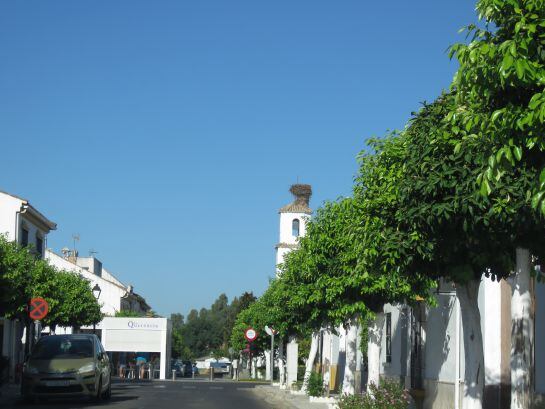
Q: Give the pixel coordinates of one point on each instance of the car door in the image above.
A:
(101, 363)
(107, 369)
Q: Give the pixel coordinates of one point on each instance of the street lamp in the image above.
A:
(96, 292)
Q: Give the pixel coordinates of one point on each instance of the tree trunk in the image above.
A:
(473, 345)
(349, 379)
(268, 370)
(281, 364)
(522, 334)
(254, 369)
(311, 358)
(373, 350)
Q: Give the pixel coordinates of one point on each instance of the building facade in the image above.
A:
(423, 347)
(23, 223)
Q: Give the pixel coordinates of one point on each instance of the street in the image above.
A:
(164, 395)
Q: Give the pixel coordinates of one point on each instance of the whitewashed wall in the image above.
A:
(9, 206)
(111, 293)
(286, 220)
(540, 338)
(397, 366)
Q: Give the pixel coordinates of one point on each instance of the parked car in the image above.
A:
(177, 365)
(182, 368)
(67, 365)
(220, 367)
(187, 368)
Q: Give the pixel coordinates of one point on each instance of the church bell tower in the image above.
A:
(293, 219)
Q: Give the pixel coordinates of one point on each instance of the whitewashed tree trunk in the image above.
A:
(522, 334)
(281, 364)
(311, 358)
(373, 349)
(254, 368)
(268, 371)
(349, 380)
(473, 345)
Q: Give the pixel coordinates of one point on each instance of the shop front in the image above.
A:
(138, 347)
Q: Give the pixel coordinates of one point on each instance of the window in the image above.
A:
(24, 237)
(389, 337)
(40, 246)
(295, 227)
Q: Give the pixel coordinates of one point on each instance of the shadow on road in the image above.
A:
(75, 403)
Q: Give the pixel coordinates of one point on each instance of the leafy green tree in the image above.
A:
(23, 276)
(129, 314)
(16, 265)
(78, 306)
(499, 89)
(445, 228)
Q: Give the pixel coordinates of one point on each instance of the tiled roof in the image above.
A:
(302, 194)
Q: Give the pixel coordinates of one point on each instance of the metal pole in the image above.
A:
(272, 358)
(250, 352)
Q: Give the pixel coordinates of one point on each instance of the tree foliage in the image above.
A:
(500, 98)
(207, 331)
(23, 276)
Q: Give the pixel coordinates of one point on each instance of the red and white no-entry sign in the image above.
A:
(38, 308)
(250, 334)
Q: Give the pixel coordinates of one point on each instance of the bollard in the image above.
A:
(174, 374)
(211, 373)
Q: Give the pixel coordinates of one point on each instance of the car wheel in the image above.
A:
(98, 394)
(108, 393)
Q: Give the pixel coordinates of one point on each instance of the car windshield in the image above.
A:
(63, 348)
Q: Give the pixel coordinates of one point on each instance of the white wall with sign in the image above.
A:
(138, 335)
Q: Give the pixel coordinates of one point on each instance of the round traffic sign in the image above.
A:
(38, 308)
(250, 334)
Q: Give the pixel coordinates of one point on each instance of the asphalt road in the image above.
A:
(164, 395)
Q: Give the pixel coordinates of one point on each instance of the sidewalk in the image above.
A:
(9, 394)
(284, 399)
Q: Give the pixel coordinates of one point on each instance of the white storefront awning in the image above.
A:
(138, 335)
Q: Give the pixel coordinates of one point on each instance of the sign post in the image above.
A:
(37, 311)
(272, 332)
(250, 334)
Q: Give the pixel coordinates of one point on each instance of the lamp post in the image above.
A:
(272, 332)
(96, 292)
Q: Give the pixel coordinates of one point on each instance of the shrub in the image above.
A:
(389, 395)
(315, 384)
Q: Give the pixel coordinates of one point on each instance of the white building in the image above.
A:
(427, 350)
(114, 295)
(293, 219)
(24, 224)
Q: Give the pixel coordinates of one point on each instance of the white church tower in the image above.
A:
(293, 219)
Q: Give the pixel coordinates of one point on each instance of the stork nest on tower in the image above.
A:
(302, 193)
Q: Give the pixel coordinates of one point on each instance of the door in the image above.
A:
(417, 349)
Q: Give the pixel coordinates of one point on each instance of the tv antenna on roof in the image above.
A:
(75, 237)
(92, 252)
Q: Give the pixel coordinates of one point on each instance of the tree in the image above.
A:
(16, 265)
(336, 273)
(457, 233)
(23, 276)
(501, 102)
(499, 89)
(77, 305)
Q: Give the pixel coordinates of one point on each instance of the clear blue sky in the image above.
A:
(167, 133)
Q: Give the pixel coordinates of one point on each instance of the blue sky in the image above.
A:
(167, 133)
